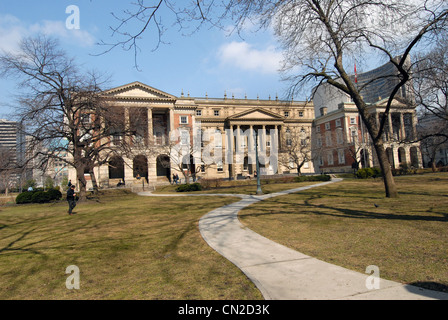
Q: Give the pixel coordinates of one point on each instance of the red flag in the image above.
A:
(356, 75)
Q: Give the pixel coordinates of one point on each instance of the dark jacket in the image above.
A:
(70, 194)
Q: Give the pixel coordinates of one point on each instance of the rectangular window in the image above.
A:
(301, 114)
(85, 118)
(339, 136)
(286, 113)
(199, 113)
(352, 120)
(327, 126)
(304, 142)
(338, 122)
(318, 129)
(216, 113)
(219, 166)
(185, 137)
(341, 157)
(183, 120)
(328, 139)
(321, 161)
(218, 139)
(330, 159)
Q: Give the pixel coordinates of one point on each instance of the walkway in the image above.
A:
(281, 273)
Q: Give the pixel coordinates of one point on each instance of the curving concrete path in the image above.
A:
(281, 273)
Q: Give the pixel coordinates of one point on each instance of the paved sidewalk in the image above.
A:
(281, 273)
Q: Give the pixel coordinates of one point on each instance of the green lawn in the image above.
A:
(132, 247)
(125, 246)
(406, 238)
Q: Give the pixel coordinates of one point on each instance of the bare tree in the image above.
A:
(431, 80)
(324, 37)
(295, 149)
(432, 132)
(431, 92)
(60, 107)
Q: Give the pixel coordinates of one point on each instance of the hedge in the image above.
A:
(189, 187)
(366, 173)
(38, 196)
(322, 177)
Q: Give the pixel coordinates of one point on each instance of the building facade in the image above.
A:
(342, 143)
(208, 137)
(12, 154)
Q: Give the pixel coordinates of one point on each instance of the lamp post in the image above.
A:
(257, 165)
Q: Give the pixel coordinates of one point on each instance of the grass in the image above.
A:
(243, 187)
(126, 247)
(405, 237)
(131, 247)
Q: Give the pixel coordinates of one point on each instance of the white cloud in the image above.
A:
(244, 56)
(12, 31)
(59, 29)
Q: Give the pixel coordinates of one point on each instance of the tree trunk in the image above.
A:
(82, 183)
(388, 178)
(94, 182)
(433, 166)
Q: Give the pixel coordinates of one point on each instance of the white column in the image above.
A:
(171, 119)
(251, 145)
(238, 139)
(389, 119)
(127, 125)
(402, 132)
(150, 128)
(263, 139)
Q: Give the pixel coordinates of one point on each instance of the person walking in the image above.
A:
(71, 199)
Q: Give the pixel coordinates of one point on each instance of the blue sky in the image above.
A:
(209, 61)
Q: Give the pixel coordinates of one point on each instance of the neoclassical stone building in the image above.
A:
(342, 143)
(221, 131)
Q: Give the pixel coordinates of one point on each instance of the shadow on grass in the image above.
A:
(326, 210)
(430, 285)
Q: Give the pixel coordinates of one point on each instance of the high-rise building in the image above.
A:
(12, 149)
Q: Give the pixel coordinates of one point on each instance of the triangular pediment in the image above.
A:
(137, 90)
(396, 102)
(256, 113)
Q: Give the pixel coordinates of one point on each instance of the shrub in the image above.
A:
(404, 169)
(189, 187)
(54, 194)
(24, 197)
(366, 173)
(322, 177)
(40, 197)
(376, 172)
